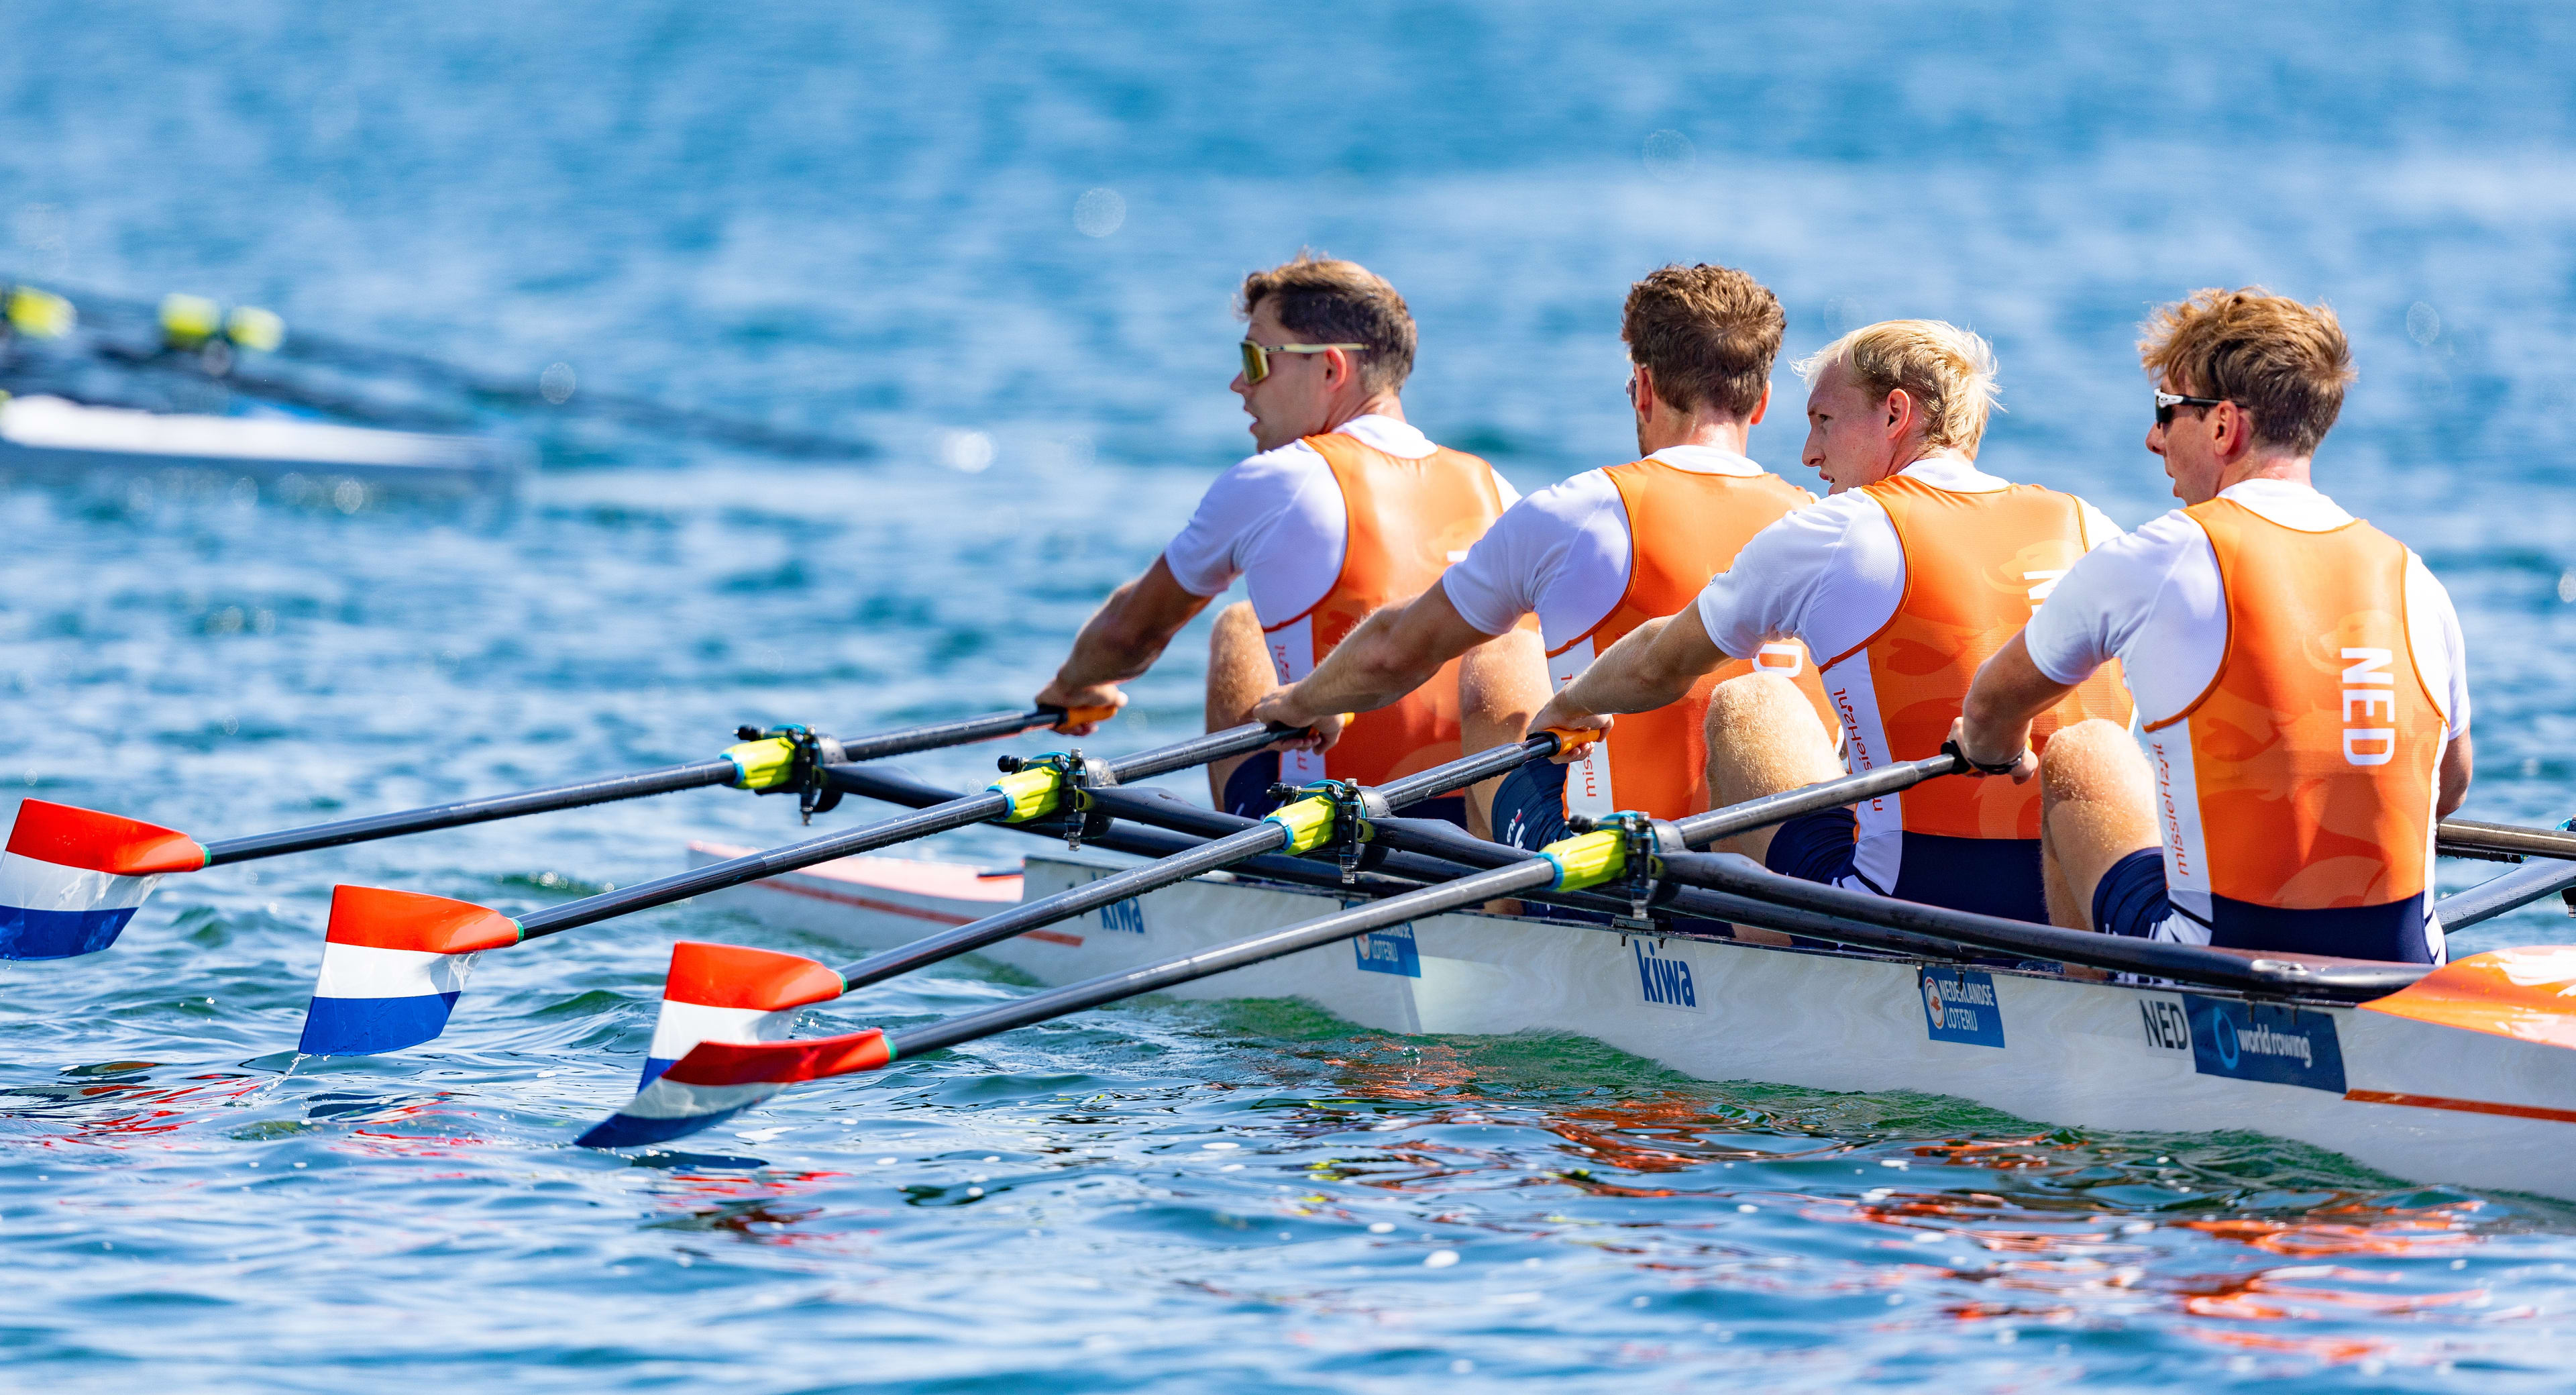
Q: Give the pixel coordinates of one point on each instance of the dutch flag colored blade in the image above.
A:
(392, 966)
(71, 878)
(730, 994)
(718, 1080)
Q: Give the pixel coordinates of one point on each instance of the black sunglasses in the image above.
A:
(2167, 401)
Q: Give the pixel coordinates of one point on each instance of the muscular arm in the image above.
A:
(1393, 652)
(1120, 641)
(1654, 666)
(2009, 691)
(2458, 762)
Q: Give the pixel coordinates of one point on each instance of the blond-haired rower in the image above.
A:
(1346, 508)
(2300, 674)
(1916, 570)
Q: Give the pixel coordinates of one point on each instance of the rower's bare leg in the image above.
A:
(1502, 683)
(2097, 805)
(1239, 674)
(1763, 738)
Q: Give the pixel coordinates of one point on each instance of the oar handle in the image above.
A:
(1700, 829)
(465, 811)
(956, 733)
(1439, 780)
(1109, 988)
(1216, 745)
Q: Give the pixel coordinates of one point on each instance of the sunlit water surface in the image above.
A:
(881, 222)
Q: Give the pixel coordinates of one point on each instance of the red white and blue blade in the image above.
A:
(718, 1080)
(71, 878)
(727, 993)
(392, 967)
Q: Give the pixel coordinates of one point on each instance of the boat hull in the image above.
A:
(2420, 1100)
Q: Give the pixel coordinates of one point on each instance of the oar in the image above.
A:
(728, 993)
(717, 1080)
(394, 962)
(2504, 841)
(71, 878)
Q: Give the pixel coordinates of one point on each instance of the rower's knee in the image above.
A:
(2097, 805)
(2093, 762)
(1763, 737)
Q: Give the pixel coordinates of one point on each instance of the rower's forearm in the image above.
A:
(1365, 672)
(1634, 686)
(1112, 647)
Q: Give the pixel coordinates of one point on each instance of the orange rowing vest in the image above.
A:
(1976, 566)
(2314, 754)
(1684, 526)
(1407, 521)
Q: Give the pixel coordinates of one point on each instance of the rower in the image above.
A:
(1595, 556)
(2301, 674)
(1916, 569)
(1345, 509)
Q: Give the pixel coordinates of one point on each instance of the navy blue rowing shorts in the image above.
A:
(1990, 876)
(2130, 899)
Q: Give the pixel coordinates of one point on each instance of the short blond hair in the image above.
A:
(2285, 363)
(1337, 302)
(1948, 371)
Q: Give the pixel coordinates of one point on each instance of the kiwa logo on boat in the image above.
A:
(1960, 1005)
(1664, 982)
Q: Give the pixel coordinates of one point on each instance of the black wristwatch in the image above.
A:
(1999, 768)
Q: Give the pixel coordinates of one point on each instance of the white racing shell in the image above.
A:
(2421, 1100)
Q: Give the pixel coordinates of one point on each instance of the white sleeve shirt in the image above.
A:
(1277, 519)
(2155, 601)
(1833, 573)
(1563, 553)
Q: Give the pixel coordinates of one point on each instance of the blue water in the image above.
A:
(880, 222)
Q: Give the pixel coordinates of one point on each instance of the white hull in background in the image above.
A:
(53, 435)
(2421, 1101)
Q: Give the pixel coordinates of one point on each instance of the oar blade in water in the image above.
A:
(718, 1080)
(730, 994)
(71, 878)
(393, 964)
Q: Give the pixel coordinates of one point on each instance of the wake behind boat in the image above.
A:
(2467, 1077)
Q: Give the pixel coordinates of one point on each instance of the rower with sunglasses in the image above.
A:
(2300, 674)
(1346, 508)
(1915, 570)
(1596, 555)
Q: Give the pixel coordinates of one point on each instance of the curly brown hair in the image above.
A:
(1337, 302)
(2285, 363)
(1708, 334)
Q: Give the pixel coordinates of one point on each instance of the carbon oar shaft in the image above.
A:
(1109, 988)
(938, 819)
(1701, 829)
(1136, 881)
(695, 775)
(2469, 835)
